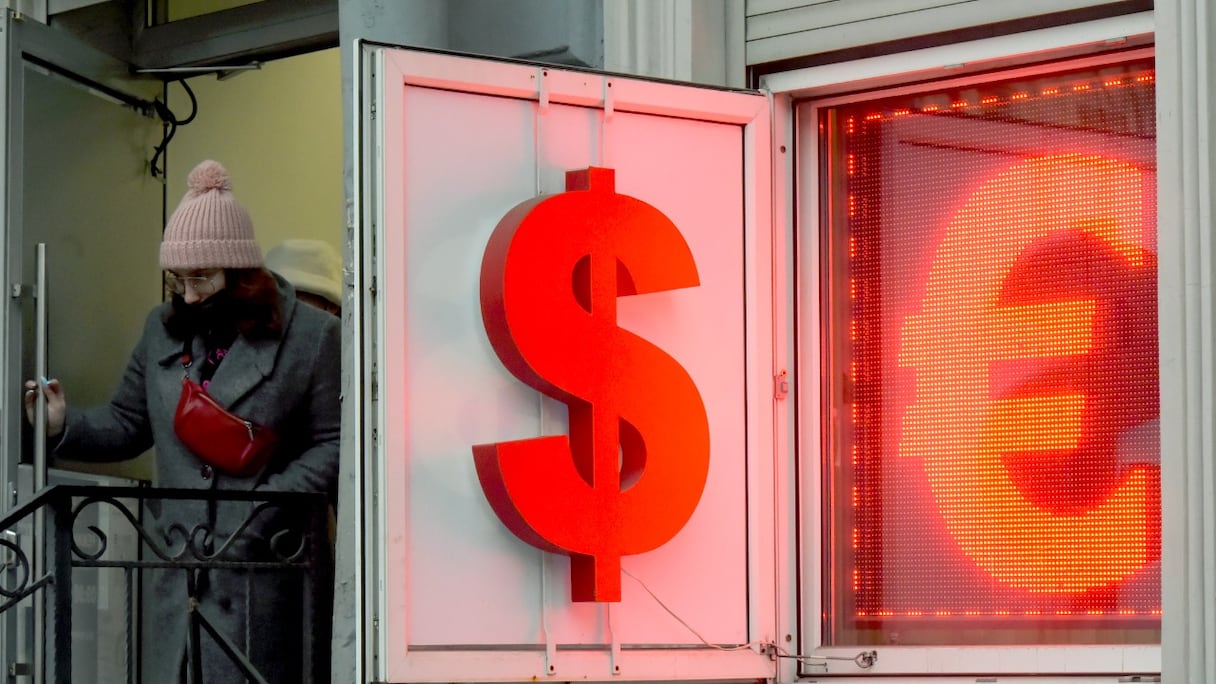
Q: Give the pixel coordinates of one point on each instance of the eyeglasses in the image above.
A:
(201, 284)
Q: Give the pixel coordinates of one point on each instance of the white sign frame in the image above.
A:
(390, 70)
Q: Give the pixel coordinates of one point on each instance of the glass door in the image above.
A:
(80, 132)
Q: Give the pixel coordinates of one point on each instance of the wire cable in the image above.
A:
(687, 626)
(171, 122)
(863, 660)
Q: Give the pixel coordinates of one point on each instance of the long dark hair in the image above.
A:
(249, 302)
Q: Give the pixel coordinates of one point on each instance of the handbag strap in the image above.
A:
(211, 360)
(187, 360)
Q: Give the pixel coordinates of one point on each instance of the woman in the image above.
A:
(236, 331)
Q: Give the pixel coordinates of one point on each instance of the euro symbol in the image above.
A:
(959, 431)
(632, 470)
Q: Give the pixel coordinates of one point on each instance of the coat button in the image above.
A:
(205, 471)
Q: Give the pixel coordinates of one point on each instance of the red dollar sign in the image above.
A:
(633, 468)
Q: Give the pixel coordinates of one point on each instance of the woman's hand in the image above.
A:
(56, 405)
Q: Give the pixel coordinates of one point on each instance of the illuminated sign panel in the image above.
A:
(993, 470)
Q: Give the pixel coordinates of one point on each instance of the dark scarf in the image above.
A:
(215, 320)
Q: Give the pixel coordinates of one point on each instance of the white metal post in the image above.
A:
(1185, 156)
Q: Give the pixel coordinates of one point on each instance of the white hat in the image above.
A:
(310, 266)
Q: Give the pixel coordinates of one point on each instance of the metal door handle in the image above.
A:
(40, 323)
(40, 335)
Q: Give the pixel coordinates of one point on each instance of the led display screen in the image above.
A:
(991, 471)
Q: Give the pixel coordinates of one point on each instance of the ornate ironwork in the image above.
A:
(196, 540)
(20, 560)
(292, 526)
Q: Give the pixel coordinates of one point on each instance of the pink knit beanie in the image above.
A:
(209, 229)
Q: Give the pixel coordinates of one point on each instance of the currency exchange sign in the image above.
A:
(631, 471)
(1089, 210)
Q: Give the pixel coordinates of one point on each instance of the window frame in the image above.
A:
(799, 97)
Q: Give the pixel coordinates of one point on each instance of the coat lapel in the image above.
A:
(250, 361)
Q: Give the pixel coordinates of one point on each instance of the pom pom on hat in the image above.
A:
(209, 175)
(311, 266)
(209, 228)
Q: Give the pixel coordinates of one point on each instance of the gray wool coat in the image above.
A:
(289, 384)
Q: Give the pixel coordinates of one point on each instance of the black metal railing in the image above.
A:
(288, 530)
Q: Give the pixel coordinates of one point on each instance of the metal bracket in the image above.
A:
(609, 112)
(609, 101)
(17, 291)
(550, 655)
(550, 644)
(781, 385)
(542, 93)
(221, 72)
(614, 660)
(29, 9)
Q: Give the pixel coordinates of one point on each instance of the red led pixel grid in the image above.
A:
(992, 329)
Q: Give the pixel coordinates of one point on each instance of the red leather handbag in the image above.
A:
(226, 442)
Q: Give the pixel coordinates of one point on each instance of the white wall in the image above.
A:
(785, 29)
(700, 41)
